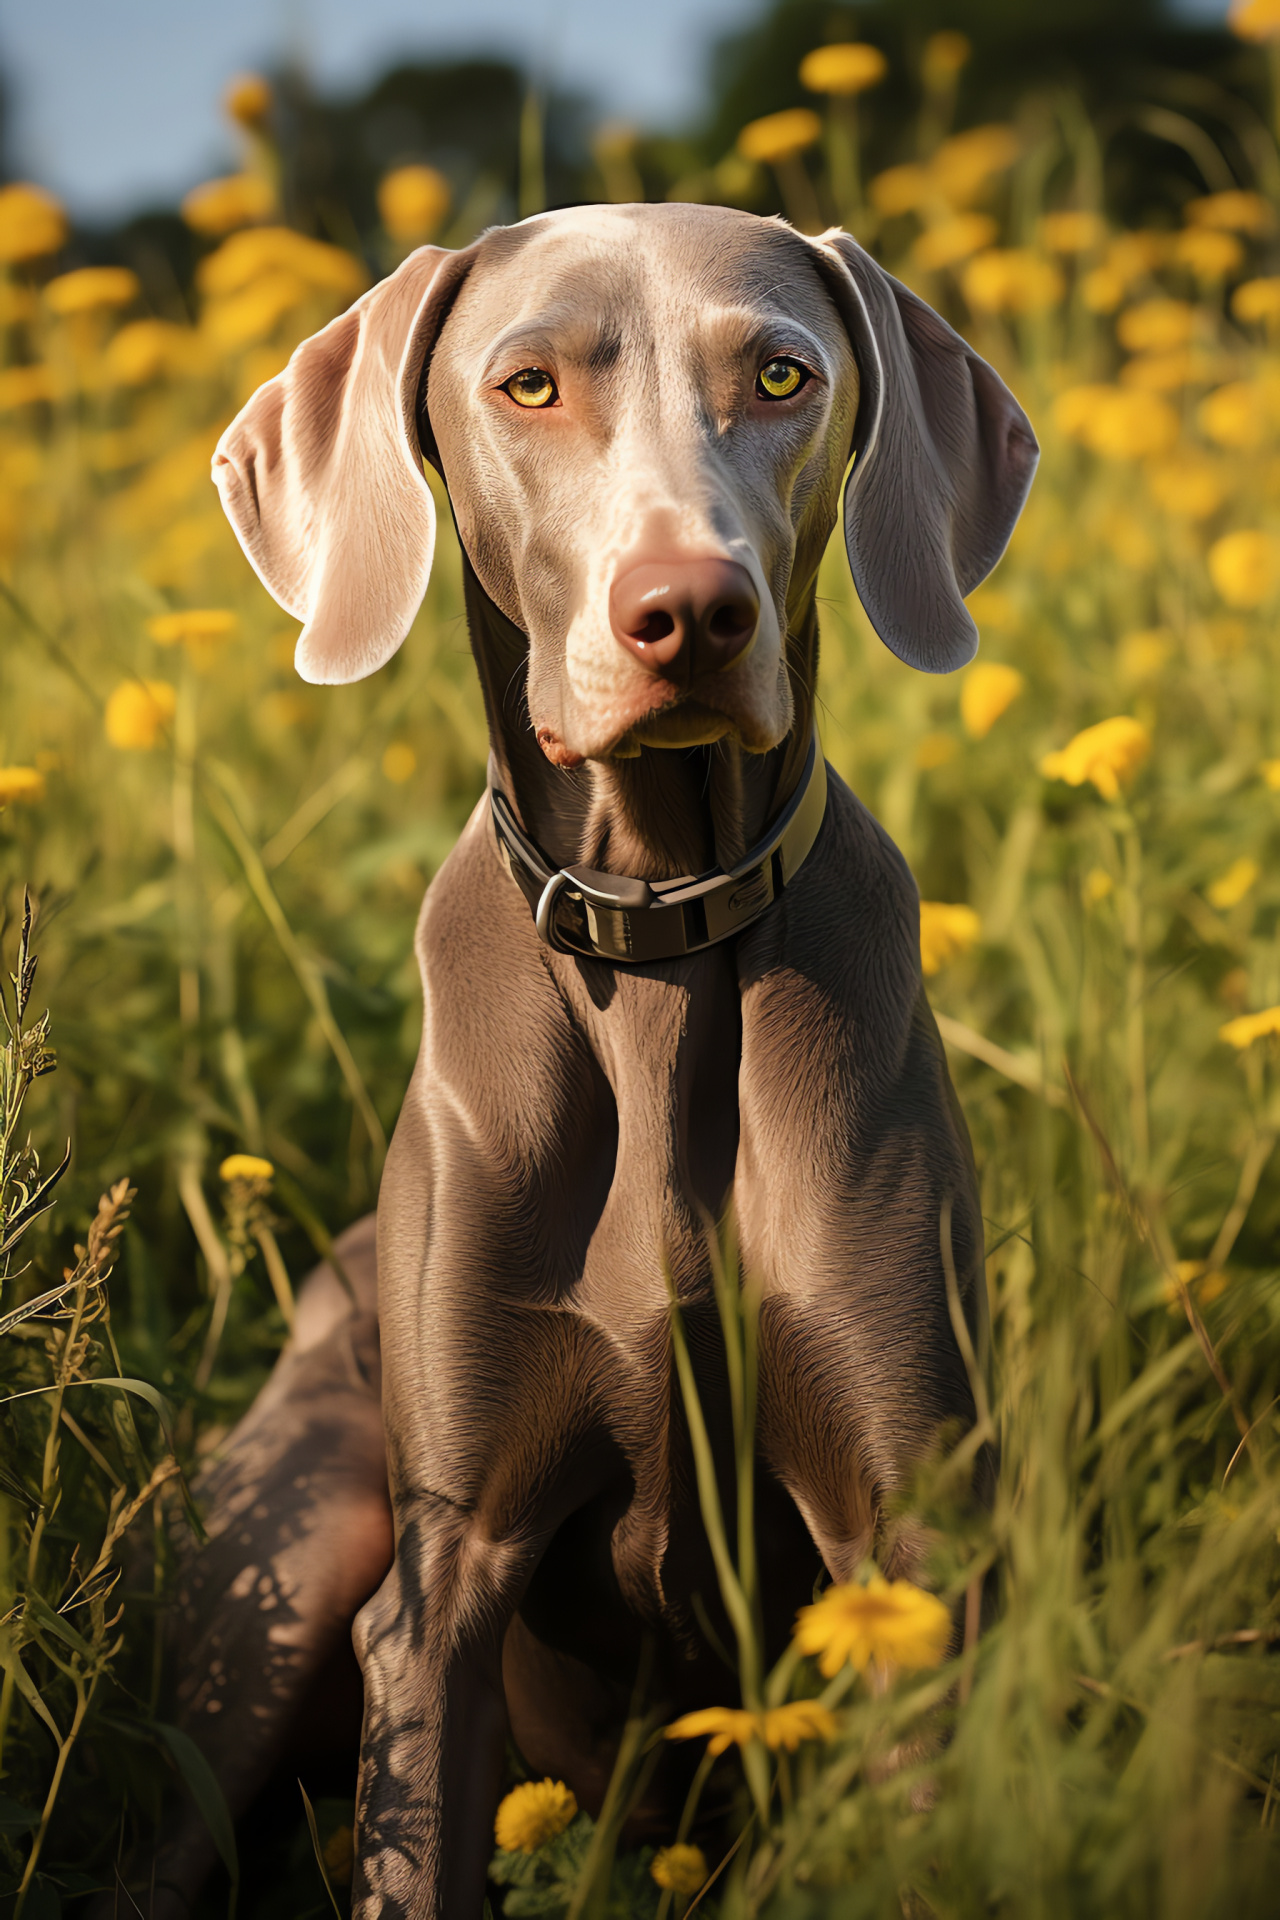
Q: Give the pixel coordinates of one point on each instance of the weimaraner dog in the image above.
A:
(672, 964)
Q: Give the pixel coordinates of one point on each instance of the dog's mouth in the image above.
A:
(690, 723)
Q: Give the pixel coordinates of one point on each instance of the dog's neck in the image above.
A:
(668, 811)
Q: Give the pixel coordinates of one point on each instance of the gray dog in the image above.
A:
(672, 963)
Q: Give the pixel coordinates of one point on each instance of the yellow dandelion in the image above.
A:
(399, 762)
(985, 692)
(953, 240)
(220, 206)
(1207, 252)
(1233, 416)
(1270, 771)
(1255, 300)
(779, 136)
(900, 190)
(144, 349)
(888, 1623)
(1108, 755)
(533, 1813)
(1245, 567)
(1098, 885)
(1072, 231)
(1120, 423)
(786, 1727)
(1235, 210)
(1135, 254)
(246, 257)
(1231, 887)
(1156, 325)
(721, 1727)
(1167, 372)
(137, 712)
(1011, 280)
(1248, 1027)
(20, 783)
(845, 67)
(248, 99)
(1187, 486)
(246, 1166)
(680, 1869)
(192, 624)
(1142, 655)
(32, 223)
(256, 313)
(945, 54)
(1102, 289)
(412, 203)
(946, 931)
(963, 165)
(1205, 1282)
(90, 287)
(24, 386)
(1255, 19)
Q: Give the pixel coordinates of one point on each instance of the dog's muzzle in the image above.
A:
(612, 917)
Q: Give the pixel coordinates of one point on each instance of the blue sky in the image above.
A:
(115, 101)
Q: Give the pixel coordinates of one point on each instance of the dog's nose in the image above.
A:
(686, 619)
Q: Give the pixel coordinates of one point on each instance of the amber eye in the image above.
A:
(779, 379)
(531, 387)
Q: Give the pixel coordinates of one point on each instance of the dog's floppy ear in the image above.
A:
(321, 474)
(943, 459)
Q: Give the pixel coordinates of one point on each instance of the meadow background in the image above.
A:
(226, 866)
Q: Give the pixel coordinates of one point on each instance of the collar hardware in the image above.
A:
(628, 921)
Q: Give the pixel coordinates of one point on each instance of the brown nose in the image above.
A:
(686, 619)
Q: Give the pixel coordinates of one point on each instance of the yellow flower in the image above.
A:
(248, 99)
(946, 931)
(1011, 280)
(32, 223)
(192, 625)
(1248, 1027)
(1072, 231)
(1187, 486)
(23, 386)
(246, 1166)
(1108, 754)
(680, 1869)
(399, 762)
(900, 190)
(953, 240)
(1205, 1282)
(986, 690)
(1207, 252)
(1097, 885)
(1102, 289)
(962, 166)
(888, 1623)
(1231, 887)
(1235, 210)
(20, 783)
(779, 136)
(137, 711)
(944, 55)
(1270, 771)
(1255, 300)
(219, 206)
(786, 1726)
(1156, 325)
(144, 349)
(798, 1720)
(1140, 656)
(90, 287)
(533, 1813)
(1255, 19)
(412, 202)
(1234, 416)
(1166, 372)
(1120, 423)
(848, 66)
(1244, 567)
(254, 314)
(1133, 255)
(245, 257)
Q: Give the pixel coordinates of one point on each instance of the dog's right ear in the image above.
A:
(321, 473)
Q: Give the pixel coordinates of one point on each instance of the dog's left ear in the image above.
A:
(321, 474)
(943, 459)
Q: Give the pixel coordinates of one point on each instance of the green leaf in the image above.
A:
(11, 1662)
(40, 1610)
(16, 1819)
(314, 1831)
(202, 1784)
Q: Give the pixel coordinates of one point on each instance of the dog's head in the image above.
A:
(643, 415)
